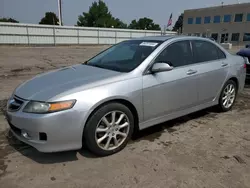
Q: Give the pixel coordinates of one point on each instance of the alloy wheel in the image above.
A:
(112, 130)
(228, 96)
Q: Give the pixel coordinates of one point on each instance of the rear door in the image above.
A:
(212, 68)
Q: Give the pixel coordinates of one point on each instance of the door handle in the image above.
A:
(224, 64)
(190, 72)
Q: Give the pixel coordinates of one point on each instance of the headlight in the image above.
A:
(46, 107)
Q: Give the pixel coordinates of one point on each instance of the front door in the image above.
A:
(174, 90)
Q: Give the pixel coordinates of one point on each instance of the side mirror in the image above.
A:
(161, 67)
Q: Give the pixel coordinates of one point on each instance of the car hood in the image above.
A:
(48, 85)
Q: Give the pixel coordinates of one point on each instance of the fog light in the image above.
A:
(25, 134)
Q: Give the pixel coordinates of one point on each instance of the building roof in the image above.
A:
(219, 6)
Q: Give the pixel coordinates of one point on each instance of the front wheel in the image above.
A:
(228, 96)
(109, 129)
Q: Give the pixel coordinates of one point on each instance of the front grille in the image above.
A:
(15, 104)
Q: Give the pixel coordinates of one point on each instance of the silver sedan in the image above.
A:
(132, 85)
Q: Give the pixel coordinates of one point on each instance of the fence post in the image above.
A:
(54, 35)
(130, 34)
(98, 35)
(15, 39)
(115, 37)
(28, 38)
(78, 40)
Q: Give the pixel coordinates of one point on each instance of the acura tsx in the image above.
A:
(132, 85)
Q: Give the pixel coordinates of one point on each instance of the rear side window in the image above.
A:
(176, 54)
(206, 51)
(221, 54)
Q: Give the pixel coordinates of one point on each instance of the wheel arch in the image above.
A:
(235, 79)
(123, 101)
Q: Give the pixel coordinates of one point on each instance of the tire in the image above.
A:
(111, 131)
(222, 104)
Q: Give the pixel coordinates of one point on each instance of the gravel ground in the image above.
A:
(204, 149)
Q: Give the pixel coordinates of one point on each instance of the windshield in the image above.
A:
(125, 56)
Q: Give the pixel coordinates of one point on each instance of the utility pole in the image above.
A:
(60, 11)
(3, 8)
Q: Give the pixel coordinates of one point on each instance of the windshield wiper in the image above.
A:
(103, 67)
(99, 66)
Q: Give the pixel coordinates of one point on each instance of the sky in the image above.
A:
(31, 11)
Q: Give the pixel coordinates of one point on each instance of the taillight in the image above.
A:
(245, 65)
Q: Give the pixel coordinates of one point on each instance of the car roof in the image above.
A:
(157, 38)
(167, 37)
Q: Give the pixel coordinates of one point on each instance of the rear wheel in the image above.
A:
(109, 129)
(228, 96)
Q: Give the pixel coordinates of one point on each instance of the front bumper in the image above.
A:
(59, 131)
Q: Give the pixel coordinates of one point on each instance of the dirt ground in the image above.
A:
(204, 149)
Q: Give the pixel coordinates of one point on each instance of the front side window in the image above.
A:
(125, 56)
(206, 51)
(235, 37)
(207, 19)
(216, 19)
(246, 37)
(190, 20)
(227, 18)
(176, 54)
(198, 20)
(238, 18)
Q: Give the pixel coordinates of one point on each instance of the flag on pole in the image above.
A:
(170, 20)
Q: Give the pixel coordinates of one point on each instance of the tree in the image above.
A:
(50, 18)
(144, 23)
(179, 24)
(134, 25)
(119, 24)
(8, 20)
(99, 16)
